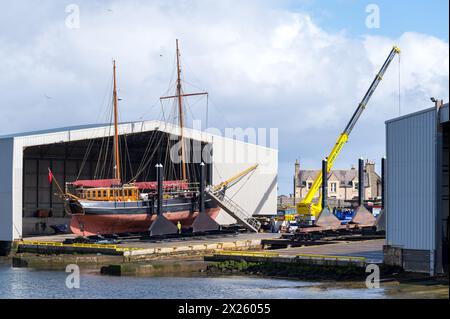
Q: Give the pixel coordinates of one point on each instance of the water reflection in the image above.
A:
(26, 283)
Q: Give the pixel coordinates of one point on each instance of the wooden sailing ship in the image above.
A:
(110, 206)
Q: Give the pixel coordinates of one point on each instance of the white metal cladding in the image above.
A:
(257, 193)
(411, 181)
(7, 225)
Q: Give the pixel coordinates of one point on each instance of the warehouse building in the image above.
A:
(28, 205)
(417, 190)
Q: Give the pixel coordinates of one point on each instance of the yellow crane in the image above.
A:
(306, 208)
(233, 180)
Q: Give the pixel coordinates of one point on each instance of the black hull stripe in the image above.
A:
(142, 210)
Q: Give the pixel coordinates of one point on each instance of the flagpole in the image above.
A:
(52, 178)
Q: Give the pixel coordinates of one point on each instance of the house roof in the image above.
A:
(345, 177)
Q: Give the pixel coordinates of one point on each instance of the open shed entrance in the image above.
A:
(86, 159)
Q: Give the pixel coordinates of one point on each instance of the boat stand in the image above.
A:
(161, 226)
(203, 222)
(326, 218)
(381, 219)
(362, 215)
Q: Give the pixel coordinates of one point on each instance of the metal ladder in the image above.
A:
(234, 210)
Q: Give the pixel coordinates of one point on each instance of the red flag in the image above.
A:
(50, 176)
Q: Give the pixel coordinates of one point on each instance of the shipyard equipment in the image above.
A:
(362, 215)
(309, 211)
(217, 195)
(233, 180)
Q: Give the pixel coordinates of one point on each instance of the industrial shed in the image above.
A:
(417, 191)
(26, 195)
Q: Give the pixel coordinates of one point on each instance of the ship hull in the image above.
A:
(101, 218)
(87, 225)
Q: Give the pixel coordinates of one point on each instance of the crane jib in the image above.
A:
(370, 91)
(306, 207)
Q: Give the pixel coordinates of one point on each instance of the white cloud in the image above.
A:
(263, 67)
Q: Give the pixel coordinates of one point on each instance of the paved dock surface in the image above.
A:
(200, 240)
(372, 250)
(170, 242)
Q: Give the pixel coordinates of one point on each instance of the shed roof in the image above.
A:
(91, 131)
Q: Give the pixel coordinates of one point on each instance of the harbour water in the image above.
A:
(17, 283)
(27, 283)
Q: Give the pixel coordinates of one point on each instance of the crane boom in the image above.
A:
(234, 179)
(306, 208)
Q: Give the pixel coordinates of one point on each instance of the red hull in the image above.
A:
(129, 223)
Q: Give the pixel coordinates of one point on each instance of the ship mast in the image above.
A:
(179, 96)
(116, 129)
(180, 111)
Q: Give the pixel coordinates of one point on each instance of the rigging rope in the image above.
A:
(240, 188)
(92, 141)
(105, 157)
(207, 111)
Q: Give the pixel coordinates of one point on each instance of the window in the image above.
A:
(93, 194)
(355, 185)
(111, 193)
(309, 185)
(333, 187)
(104, 193)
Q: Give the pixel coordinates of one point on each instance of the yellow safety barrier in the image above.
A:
(246, 253)
(127, 249)
(93, 246)
(50, 243)
(79, 245)
(41, 243)
(331, 257)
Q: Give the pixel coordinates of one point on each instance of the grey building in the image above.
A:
(342, 184)
(417, 191)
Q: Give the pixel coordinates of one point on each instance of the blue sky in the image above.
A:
(299, 66)
(396, 16)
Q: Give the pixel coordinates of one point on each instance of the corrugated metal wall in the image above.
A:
(6, 189)
(411, 181)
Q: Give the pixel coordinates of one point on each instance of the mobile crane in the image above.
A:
(307, 210)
